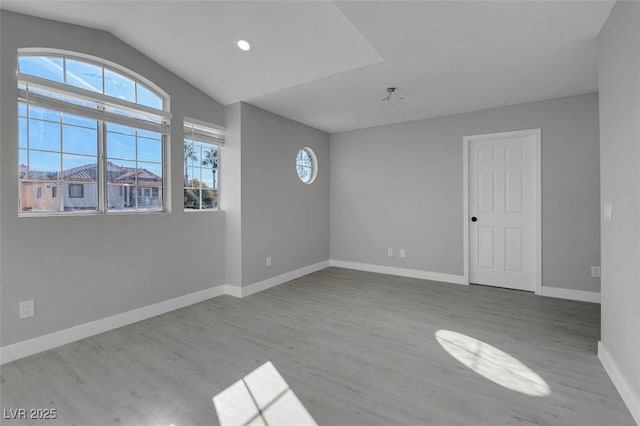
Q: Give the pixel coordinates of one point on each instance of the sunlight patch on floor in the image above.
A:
(492, 363)
(261, 398)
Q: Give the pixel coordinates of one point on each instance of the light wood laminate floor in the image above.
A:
(357, 348)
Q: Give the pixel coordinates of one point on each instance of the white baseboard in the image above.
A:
(233, 290)
(49, 341)
(565, 293)
(402, 272)
(630, 398)
(254, 288)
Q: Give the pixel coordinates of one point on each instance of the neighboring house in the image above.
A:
(76, 187)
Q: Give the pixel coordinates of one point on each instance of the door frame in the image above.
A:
(537, 133)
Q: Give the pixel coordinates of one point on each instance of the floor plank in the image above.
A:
(357, 348)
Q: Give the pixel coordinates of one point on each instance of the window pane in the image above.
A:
(44, 114)
(209, 198)
(22, 109)
(80, 168)
(76, 101)
(121, 172)
(192, 178)
(192, 152)
(120, 129)
(149, 150)
(80, 196)
(191, 198)
(148, 98)
(120, 197)
(44, 135)
(77, 120)
(43, 165)
(305, 165)
(22, 163)
(80, 140)
(38, 197)
(119, 86)
(121, 146)
(150, 173)
(42, 66)
(149, 134)
(149, 197)
(201, 162)
(121, 187)
(22, 132)
(83, 75)
(210, 156)
(207, 179)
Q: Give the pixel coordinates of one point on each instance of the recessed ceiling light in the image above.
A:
(244, 45)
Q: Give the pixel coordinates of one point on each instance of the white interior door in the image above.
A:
(503, 209)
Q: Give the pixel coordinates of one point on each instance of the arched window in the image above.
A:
(92, 135)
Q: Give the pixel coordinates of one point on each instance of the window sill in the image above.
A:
(201, 211)
(93, 213)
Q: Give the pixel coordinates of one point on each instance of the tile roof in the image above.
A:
(88, 173)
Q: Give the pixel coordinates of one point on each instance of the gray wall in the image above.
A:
(79, 269)
(400, 186)
(231, 199)
(281, 216)
(619, 75)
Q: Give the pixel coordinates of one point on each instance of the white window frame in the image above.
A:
(314, 165)
(207, 133)
(148, 118)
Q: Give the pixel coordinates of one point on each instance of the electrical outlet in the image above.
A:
(390, 252)
(403, 253)
(268, 262)
(595, 271)
(26, 309)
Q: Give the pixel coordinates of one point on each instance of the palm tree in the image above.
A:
(210, 159)
(189, 154)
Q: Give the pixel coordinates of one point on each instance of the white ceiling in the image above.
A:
(327, 64)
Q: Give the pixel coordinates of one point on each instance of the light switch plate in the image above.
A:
(607, 211)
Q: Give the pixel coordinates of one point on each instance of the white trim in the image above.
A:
(42, 343)
(465, 193)
(566, 293)
(402, 272)
(254, 288)
(232, 290)
(465, 208)
(630, 398)
(314, 161)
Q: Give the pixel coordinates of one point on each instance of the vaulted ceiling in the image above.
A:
(327, 64)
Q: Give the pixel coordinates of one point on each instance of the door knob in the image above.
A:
(474, 219)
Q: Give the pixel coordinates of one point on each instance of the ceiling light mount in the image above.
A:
(391, 91)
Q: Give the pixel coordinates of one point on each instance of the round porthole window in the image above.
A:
(306, 165)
